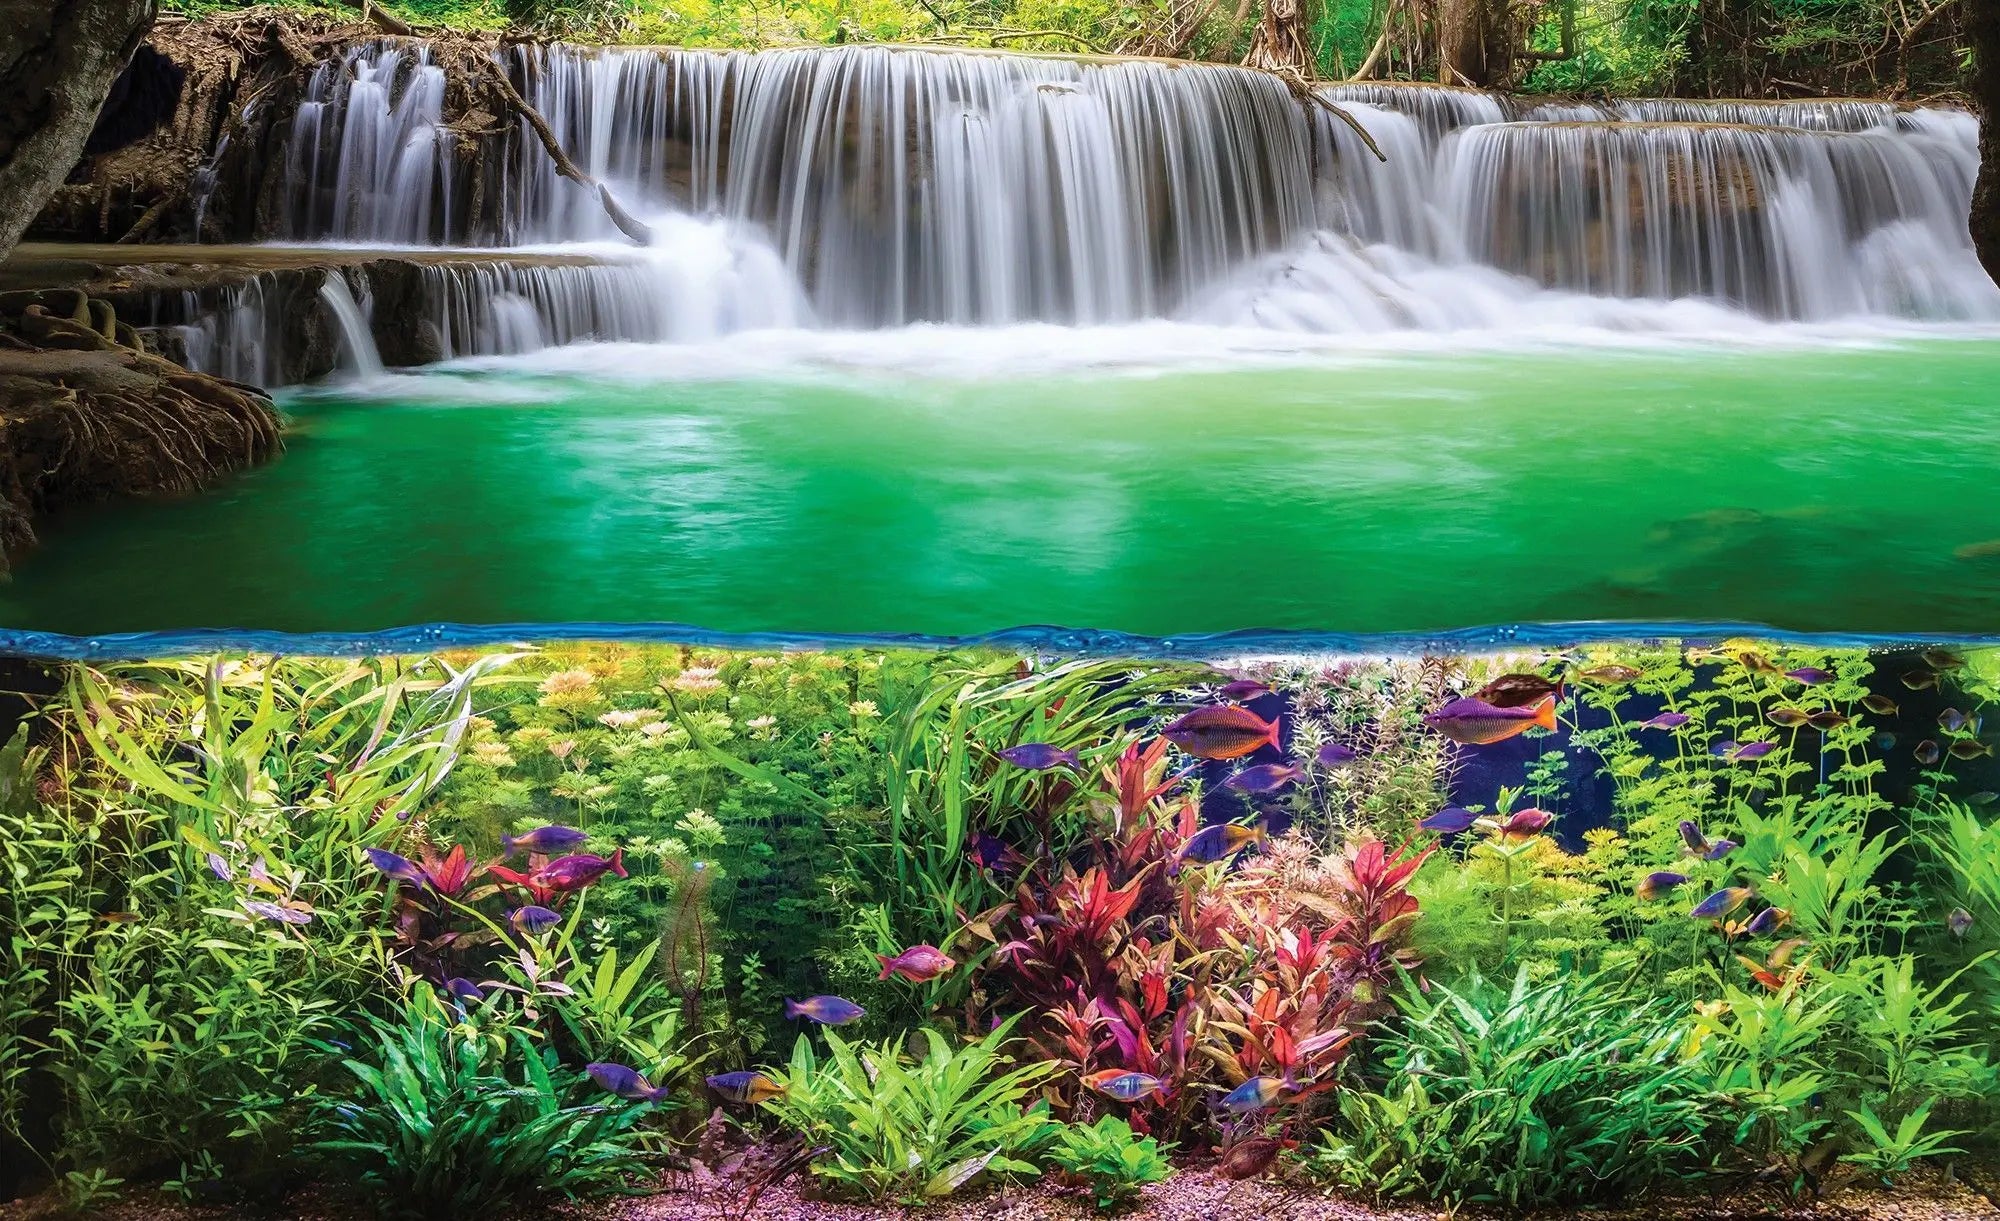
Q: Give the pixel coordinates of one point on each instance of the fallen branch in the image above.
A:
(1303, 90)
(151, 216)
(626, 222)
(387, 21)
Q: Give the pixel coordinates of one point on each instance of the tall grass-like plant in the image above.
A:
(448, 1120)
(1570, 1091)
(918, 1127)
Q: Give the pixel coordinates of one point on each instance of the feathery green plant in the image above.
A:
(1111, 1159)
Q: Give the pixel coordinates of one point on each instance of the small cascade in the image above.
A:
(370, 158)
(359, 359)
(1766, 219)
(1807, 114)
(235, 336)
(1438, 109)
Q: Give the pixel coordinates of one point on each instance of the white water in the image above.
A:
(358, 357)
(863, 189)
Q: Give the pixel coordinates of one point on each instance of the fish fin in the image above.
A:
(793, 1008)
(887, 965)
(1545, 712)
(618, 862)
(506, 846)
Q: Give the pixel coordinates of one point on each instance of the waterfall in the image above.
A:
(870, 187)
(359, 358)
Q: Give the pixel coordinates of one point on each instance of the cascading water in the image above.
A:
(878, 187)
(357, 346)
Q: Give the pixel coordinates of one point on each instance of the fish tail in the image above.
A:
(1545, 712)
(888, 966)
(506, 846)
(792, 1008)
(618, 853)
(1272, 737)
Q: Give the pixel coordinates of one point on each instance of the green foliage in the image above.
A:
(448, 1118)
(914, 1128)
(1891, 1154)
(1112, 1160)
(1568, 1091)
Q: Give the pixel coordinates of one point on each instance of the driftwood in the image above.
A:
(627, 224)
(1303, 90)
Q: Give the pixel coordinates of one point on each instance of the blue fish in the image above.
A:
(1719, 849)
(1040, 757)
(464, 989)
(532, 919)
(1808, 675)
(401, 868)
(1450, 820)
(1333, 754)
(1666, 720)
(826, 1010)
(551, 840)
(1264, 778)
(625, 1082)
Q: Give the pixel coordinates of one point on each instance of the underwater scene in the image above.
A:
(999, 610)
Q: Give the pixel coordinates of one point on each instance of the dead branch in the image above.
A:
(626, 222)
(1303, 90)
(151, 216)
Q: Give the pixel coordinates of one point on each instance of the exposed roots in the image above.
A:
(86, 416)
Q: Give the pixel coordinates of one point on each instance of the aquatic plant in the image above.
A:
(914, 1127)
(1110, 1159)
(1561, 1092)
(450, 1117)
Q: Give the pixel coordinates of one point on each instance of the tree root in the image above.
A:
(1303, 90)
(84, 416)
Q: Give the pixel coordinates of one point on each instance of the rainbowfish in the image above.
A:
(1333, 754)
(1665, 720)
(1221, 840)
(1040, 757)
(1790, 718)
(1251, 1156)
(1243, 689)
(1221, 731)
(1719, 849)
(1610, 673)
(990, 853)
(1123, 1084)
(1770, 920)
(1692, 838)
(579, 870)
(919, 964)
(1525, 824)
(1256, 1094)
(1659, 882)
(826, 1010)
(1722, 903)
(1735, 751)
(1450, 820)
(1474, 722)
(1264, 778)
(543, 840)
(1959, 922)
(1943, 659)
(1516, 690)
(1827, 718)
(745, 1086)
(1966, 748)
(1808, 675)
(1918, 680)
(1880, 705)
(625, 1082)
(401, 868)
(532, 919)
(1926, 752)
(464, 989)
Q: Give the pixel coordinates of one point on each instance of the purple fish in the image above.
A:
(1768, 920)
(401, 868)
(1752, 750)
(532, 919)
(826, 1010)
(220, 868)
(1333, 754)
(1655, 884)
(1959, 922)
(1808, 675)
(743, 1086)
(1450, 821)
(580, 870)
(919, 964)
(1927, 752)
(1040, 757)
(274, 911)
(1474, 722)
(1242, 689)
(1264, 778)
(464, 989)
(990, 853)
(1719, 849)
(1722, 903)
(1691, 835)
(545, 841)
(1666, 720)
(624, 1082)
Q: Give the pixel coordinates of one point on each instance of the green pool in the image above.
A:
(1827, 484)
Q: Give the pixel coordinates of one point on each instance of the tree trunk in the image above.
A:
(58, 59)
(1473, 43)
(1982, 25)
(1284, 39)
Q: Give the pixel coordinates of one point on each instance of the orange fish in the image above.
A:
(1471, 721)
(1222, 731)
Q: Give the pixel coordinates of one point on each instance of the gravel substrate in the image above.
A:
(1191, 1195)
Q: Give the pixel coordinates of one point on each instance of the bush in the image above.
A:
(438, 1128)
(914, 1129)
(1109, 1157)
(1572, 1091)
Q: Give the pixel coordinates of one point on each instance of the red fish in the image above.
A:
(919, 964)
(579, 870)
(1471, 721)
(1221, 731)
